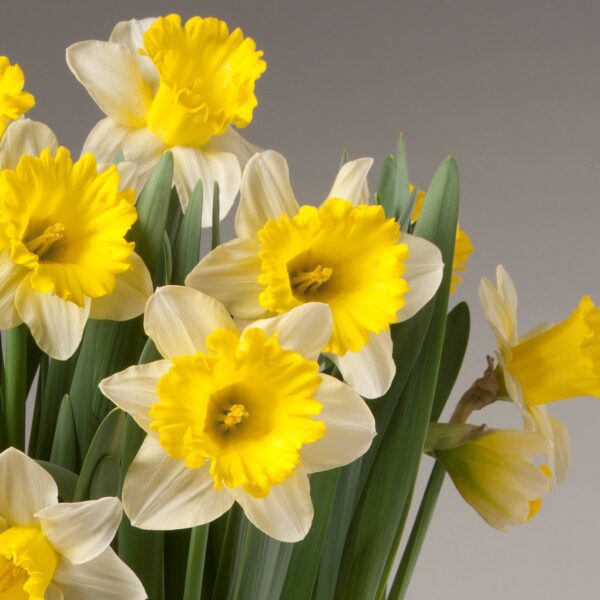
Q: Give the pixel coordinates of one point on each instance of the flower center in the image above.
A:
(207, 78)
(43, 242)
(13, 100)
(305, 283)
(66, 223)
(27, 563)
(347, 256)
(246, 407)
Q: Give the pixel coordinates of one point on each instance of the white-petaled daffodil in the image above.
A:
(548, 364)
(493, 469)
(234, 416)
(52, 551)
(14, 102)
(165, 85)
(63, 253)
(345, 253)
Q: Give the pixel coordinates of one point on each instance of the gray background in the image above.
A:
(512, 90)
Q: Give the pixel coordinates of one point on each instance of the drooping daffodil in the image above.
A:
(165, 85)
(14, 102)
(63, 253)
(234, 415)
(345, 253)
(52, 551)
(493, 469)
(548, 364)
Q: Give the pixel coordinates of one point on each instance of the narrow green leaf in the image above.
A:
(216, 214)
(401, 196)
(65, 480)
(174, 216)
(153, 209)
(177, 545)
(381, 511)
(65, 449)
(344, 158)
(302, 570)
(166, 264)
(15, 387)
(195, 563)
(187, 245)
(387, 185)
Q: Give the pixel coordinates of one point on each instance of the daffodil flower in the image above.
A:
(493, 469)
(548, 364)
(344, 253)
(234, 416)
(52, 551)
(463, 247)
(163, 85)
(14, 102)
(63, 253)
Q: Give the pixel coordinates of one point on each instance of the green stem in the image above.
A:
(15, 387)
(418, 533)
(195, 564)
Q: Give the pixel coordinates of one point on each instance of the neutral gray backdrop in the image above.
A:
(512, 90)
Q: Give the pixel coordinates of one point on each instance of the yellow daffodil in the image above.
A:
(548, 364)
(63, 253)
(14, 102)
(493, 469)
(234, 416)
(164, 85)
(344, 253)
(462, 246)
(50, 550)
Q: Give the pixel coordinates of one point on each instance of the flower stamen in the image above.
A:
(10, 576)
(307, 282)
(42, 243)
(234, 416)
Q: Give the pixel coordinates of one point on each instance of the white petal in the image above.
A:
(424, 271)
(497, 312)
(351, 181)
(111, 74)
(131, 35)
(507, 290)
(129, 297)
(266, 193)
(80, 531)
(140, 146)
(178, 319)
(230, 274)
(128, 175)
(56, 325)
(286, 513)
(106, 577)
(25, 137)
(369, 371)
(350, 428)
(134, 390)
(11, 276)
(193, 164)
(25, 488)
(232, 141)
(53, 592)
(305, 329)
(160, 492)
(561, 455)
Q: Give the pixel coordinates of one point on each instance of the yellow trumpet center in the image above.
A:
(207, 79)
(13, 100)
(246, 406)
(347, 256)
(66, 223)
(27, 563)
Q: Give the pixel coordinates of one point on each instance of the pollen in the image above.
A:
(234, 416)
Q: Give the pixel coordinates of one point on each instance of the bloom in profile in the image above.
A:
(344, 253)
(14, 102)
(63, 253)
(548, 364)
(493, 469)
(234, 416)
(51, 550)
(165, 85)
(463, 247)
